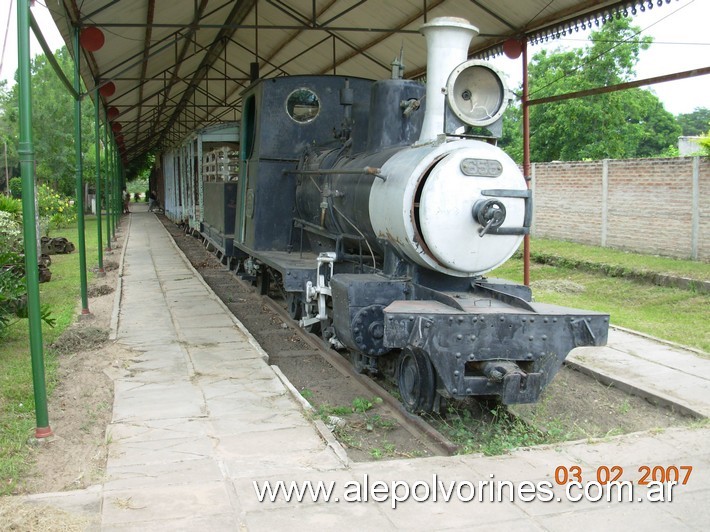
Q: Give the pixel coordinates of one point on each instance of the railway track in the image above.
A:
(314, 368)
(267, 326)
(417, 426)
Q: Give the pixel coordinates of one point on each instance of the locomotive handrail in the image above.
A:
(368, 170)
(512, 193)
(299, 223)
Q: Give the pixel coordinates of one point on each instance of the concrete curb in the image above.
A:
(113, 335)
(627, 387)
(252, 341)
(323, 430)
(662, 341)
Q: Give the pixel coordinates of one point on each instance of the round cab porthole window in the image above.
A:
(303, 105)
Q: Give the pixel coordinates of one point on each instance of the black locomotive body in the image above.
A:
(379, 229)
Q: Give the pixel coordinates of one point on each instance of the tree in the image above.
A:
(705, 144)
(622, 124)
(695, 123)
(512, 139)
(52, 124)
(8, 139)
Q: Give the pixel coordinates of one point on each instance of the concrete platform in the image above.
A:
(659, 371)
(200, 417)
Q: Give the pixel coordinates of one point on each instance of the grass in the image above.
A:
(17, 417)
(493, 434)
(673, 314)
(622, 260)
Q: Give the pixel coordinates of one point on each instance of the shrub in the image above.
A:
(13, 290)
(11, 205)
(12, 286)
(55, 211)
(705, 144)
(16, 187)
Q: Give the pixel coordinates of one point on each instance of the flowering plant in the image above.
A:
(13, 290)
(12, 286)
(55, 211)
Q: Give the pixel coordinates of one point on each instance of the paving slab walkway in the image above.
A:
(659, 371)
(199, 417)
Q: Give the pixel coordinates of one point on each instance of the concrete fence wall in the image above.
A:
(657, 206)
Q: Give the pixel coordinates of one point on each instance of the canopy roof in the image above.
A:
(181, 65)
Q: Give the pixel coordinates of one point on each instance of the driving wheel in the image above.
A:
(416, 379)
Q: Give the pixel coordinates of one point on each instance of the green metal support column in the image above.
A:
(117, 197)
(108, 183)
(97, 132)
(112, 174)
(79, 180)
(27, 168)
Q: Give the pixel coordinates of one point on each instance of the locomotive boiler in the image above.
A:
(377, 208)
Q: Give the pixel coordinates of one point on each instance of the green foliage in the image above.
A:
(705, 144)
(55, 211)
(610, 261)
(12, 286)
(512, 139)
(695, 123)
(495, 434)
(8, 138)
(16, 187)
(362, 405)
(617, 125)
(52, 125)
(17, 419)
(11, 205)
(139, 185)
(140, 169)
(307, 394)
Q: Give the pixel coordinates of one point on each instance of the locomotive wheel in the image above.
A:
(416, 379)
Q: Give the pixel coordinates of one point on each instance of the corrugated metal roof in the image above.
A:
(181, 65)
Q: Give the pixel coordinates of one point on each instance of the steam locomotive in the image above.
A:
(377, 212)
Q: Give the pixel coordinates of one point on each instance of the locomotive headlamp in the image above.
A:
(476, 93)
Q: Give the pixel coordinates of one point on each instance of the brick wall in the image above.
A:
(658, 206)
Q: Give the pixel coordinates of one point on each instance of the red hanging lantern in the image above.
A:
(119, 139)
(116, 126)
(112, 113)
(107, 89)
(512, 48)
(91, 39)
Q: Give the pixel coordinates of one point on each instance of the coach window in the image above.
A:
(303, 105)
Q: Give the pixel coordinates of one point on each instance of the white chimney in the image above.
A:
(447, 41)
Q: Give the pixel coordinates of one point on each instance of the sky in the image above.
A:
(679, 29)
(681, 42)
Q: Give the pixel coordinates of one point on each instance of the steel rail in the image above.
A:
(415, 425)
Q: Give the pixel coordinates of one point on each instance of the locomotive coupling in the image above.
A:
(497, 370)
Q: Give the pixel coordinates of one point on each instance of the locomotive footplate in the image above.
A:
(496, 349)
